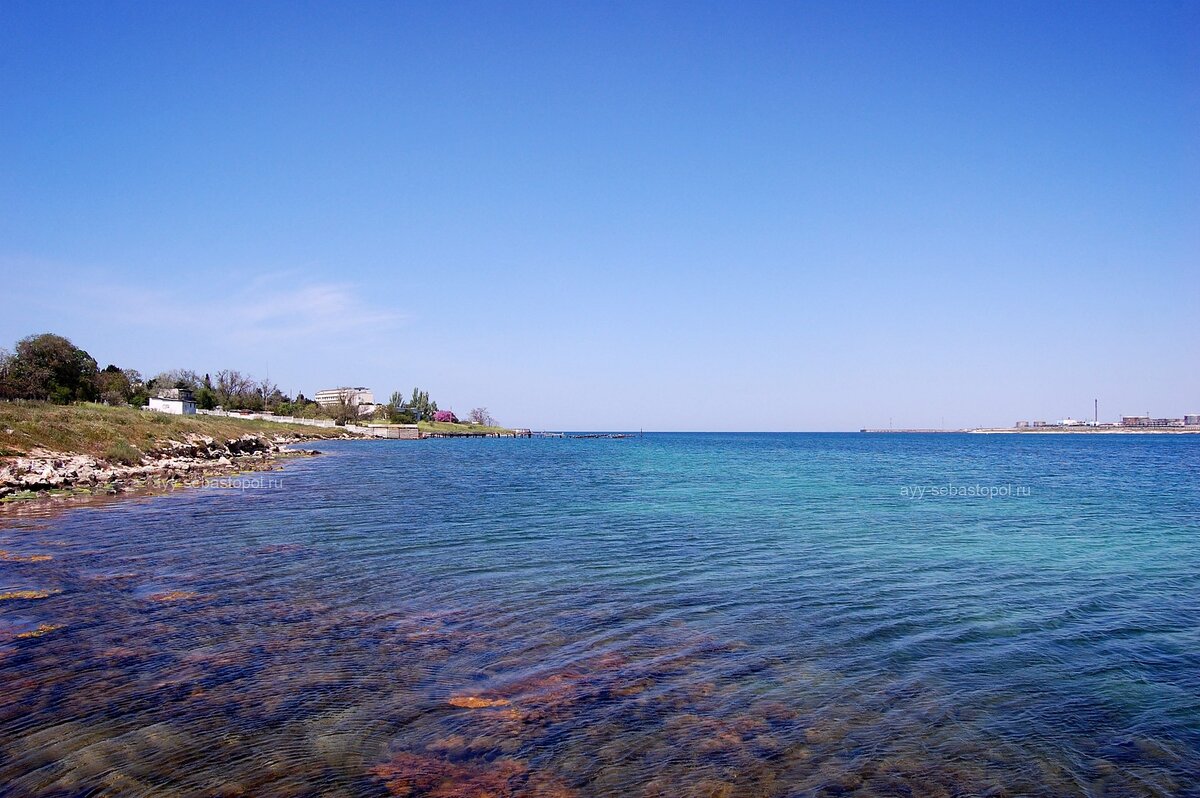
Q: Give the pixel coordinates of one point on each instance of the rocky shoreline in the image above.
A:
(172, 463)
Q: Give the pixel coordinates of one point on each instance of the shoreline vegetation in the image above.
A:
(80, 450)
(71, 451)
(70, 428)
(50, 368)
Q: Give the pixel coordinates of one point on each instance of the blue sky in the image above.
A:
(794, 216)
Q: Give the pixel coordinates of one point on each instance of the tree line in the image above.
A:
(50, 368)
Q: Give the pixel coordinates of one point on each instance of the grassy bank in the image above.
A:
(461, 429)
(120, 433)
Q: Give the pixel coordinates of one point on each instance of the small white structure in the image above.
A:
(176, 401)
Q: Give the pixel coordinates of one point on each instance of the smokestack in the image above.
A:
(1096, 418)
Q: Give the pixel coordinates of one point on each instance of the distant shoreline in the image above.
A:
(1087, 430)
(1047, 431)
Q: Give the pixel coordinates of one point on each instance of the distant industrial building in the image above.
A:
(1148, 421)
(176, 401)
(1188, 423)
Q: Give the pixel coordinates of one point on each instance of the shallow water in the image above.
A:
(707, 615)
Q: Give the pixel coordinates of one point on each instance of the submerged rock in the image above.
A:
(43, 629)
(173, 595)
(27, 595)
(476, 702)
(8, 556)
(408, 774)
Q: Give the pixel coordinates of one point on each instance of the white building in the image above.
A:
(362, 397)
(176, 401)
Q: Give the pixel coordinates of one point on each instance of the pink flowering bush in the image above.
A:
(445, 415)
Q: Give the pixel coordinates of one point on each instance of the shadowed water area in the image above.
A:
(679, 615)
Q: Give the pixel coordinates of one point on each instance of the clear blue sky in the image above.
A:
(794, 216)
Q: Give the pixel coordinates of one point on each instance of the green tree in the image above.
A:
(398, 411)
(343, 412)
(114, 386)
(420, 405)
(6, 388)
(206, 397)
(50, 367)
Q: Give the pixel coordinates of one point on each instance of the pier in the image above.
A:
(514, 433)
(914, 430)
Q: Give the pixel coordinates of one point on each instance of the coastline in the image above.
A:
(1086, 431)
(44, 477)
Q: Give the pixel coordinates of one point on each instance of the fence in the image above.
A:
(312, 422)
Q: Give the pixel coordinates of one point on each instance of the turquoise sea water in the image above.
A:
(692, 615)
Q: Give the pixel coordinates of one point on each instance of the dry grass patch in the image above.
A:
(121, 434)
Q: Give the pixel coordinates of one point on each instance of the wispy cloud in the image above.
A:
(267, 308)
(278, 309)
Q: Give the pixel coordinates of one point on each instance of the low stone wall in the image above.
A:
(396, 432)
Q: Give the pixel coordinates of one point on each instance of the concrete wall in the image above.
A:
(311, 422)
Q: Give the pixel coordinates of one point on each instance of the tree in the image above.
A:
(6, 358)
(236, 390)
(344, 411)
(206, 397)
(176, 378)
(305, 407)
(398, 411)
(421, 407)
(50, 367)
(276, 399)
(114, 386)
(139, 392)
(480, 415)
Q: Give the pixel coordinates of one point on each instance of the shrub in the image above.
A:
(122, 452)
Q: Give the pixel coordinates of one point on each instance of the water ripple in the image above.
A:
(684, 615)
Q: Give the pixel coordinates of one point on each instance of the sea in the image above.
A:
(714, 615)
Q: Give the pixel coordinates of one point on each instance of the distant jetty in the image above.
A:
(899, 431)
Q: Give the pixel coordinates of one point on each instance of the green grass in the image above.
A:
(446, 426)
(105, 432)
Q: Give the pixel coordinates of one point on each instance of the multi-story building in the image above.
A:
(351, 396)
